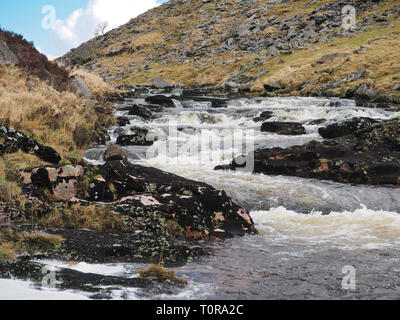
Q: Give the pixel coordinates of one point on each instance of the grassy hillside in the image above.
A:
(251, 43)
(30, 104)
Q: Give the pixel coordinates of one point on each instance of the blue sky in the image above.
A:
(76, 19)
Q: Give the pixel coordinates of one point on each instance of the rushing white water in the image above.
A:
(11, 289)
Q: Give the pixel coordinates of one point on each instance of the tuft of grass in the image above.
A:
(14, 243)
(174, 230)
(160, 273)
(90, 217)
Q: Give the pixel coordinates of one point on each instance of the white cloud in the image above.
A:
(81, 24)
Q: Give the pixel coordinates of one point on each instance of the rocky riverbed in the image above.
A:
(169, 204)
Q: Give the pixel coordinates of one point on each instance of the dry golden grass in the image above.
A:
(30, 106)
(90, 217)
(295, 70)
(13, 243)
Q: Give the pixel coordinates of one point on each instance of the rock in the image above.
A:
(330, 57)
(7, 57)
(346, 127)
(285, 128)
(273, 51)
(160, 83)
(114, 152)
(60, 180)
(149, 197)
(138, 138)
(316, 122)
(230, 86)
(264, 116)
(272, 87)
(162, 100)
(47, 154)
(141, 111)
(368, 156)
(123, 121)
(396, 87)
(364, 92)
(81, 87)
(15, 141)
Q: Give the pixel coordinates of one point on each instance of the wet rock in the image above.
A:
(162, 100)
(123, 121)
(153, 203)
(368, 156)
(139, 137)
(316, 122)
(140, 111)
(47, 154)
(264, 116)
(286, 128)
(346, 127)
(98, 286)
(113, 152)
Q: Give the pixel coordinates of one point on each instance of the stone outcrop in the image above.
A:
(368, 156)
(7, 57)
(346, 127)
(137, 191)
(14, 141)
(286, 128)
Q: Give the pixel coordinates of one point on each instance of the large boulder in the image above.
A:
(139, 137)
(139, 192)
(346, 127)
(81, 87)
(161, 100)
(114, 152)
(264, 116)
(140, 111)
(7, 57)
(160, 83)
(285, 128)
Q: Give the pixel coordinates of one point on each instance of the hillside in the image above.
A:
(42, 117)
(251, 44)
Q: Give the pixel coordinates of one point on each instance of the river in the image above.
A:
(310, 231)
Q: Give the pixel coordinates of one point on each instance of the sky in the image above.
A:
(56, 26)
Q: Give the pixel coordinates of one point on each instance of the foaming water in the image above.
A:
(309, 229)
(361, 228)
